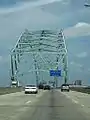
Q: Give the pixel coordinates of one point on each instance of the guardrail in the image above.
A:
(81, 89)
(8, 90)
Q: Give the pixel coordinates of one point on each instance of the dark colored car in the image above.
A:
(40, 86)
(47, 87)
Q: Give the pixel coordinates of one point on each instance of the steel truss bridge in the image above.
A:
(47, 49)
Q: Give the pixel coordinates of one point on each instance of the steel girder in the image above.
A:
(48, 51)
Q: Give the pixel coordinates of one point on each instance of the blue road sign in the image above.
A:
(55, 72)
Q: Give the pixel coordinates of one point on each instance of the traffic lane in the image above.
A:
(10, 110)
(54, 106)
(18, 98)
(79, 98)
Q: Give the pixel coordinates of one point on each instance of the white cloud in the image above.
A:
(14, 22)
(65, 2)
(82, 55)
(76, 64)
(76, 67)
(82, 24)
(1, 58)
(26, 5)
(80, 29)
(88, 69)
(4, 59)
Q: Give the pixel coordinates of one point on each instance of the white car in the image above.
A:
(31, 89)
(65, 87)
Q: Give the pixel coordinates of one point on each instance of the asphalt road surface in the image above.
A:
(81, 99)
(47, 105)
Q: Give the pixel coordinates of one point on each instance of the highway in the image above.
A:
(46, 105)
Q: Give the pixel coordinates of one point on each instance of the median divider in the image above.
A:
(81, 89)
(8, 90)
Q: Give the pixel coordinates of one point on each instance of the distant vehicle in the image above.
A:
(31, 89)
(65, 87)
(47, 87)
(51, 87)
(40, 86)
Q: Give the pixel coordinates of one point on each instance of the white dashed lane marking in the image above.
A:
(82, 105)
(68, 96)
(28, 102)
(75, 101)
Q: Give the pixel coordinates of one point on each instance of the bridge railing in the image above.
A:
(8, 90)
(83, 89)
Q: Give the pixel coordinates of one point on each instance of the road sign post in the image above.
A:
(55, 74)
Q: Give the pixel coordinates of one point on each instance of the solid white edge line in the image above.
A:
(70, 98)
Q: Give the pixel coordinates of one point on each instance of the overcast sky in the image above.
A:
(71, 15)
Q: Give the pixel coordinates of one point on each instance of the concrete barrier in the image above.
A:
(8, 90)
(80, 89)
